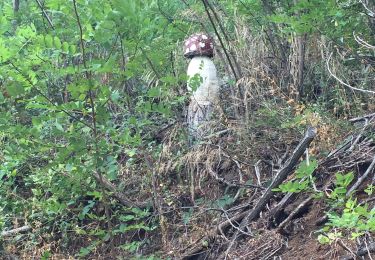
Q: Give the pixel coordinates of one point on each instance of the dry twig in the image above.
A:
(345, 84)
(15, 231)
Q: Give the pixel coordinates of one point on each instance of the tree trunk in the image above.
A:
(297, 63)
(16, 5)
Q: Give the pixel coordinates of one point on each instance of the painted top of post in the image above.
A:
(199, 44)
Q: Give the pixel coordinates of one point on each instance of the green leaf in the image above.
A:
(127, 218)
(84, 251)
(187, 215)
(154, 92)
(305, 169)
(46, 255)
(86, 209)
(131, 247)
(1, 97)
(57, 42)
(344, 180)
(59, 126)
(15, 89)
(65, 47)
(324, 239)
(115, 96)
(48, 41)
(72, 49)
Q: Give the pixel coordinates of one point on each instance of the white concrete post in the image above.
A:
(203, 98)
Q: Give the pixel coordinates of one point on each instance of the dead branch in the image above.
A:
(275, 212)
(362, 42)
(197, 247)
(345, 247)
(295, 212)
(321, 220)
(341, 149)
(361, 252)
(345, 84)
(359, 136)
(15, 231)
(361, 118)
(362, 178)
(245, 216)
(281, 175)
(257, 172)
(369, 11)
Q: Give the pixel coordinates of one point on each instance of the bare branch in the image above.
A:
(281, 176)
(206, 6)
(343, 83)
(15, 231)
(362, 178)
(369, 11)
(45, 14)
(362, 42)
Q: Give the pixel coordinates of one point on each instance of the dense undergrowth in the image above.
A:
(94, 156)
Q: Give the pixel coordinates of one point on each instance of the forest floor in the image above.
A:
(188, 225)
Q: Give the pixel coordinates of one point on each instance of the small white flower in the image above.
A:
(204, 37)
(193, 47)
(202, 44)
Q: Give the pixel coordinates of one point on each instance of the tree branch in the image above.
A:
(15, 231)
(345, 84)
(45, 14)
(281, 175)
(220, 40)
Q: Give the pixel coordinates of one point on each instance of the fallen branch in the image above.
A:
(15, 231)
(344, 147)
(197, 247)
(361, 118)
(362, 178)
(277, 210)
(370, 12)
(295, 212)
(245, 216)
(361, 252)
(321, 220)
(281, 176)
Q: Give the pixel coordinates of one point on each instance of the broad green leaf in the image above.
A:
(72, 49)
(59, 126)
(57, 42)
(65, 47)
(15, 89)
(48, 41)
